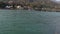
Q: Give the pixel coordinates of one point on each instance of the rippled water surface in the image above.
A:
(29, 22)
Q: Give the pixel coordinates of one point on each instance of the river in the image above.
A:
(29, 22)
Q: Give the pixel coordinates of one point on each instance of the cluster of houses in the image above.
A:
(23, 6)
(13, 5)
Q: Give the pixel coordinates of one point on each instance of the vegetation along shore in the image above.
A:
(23, 5)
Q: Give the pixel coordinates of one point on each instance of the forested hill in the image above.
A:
(37, 2)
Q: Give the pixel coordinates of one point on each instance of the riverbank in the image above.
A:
(11, 5)
(26, 10)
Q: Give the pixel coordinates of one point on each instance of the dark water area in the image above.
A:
(29, 22)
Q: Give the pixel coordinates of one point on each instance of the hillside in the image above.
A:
(47, 4)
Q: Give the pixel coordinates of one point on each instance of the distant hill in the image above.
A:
(36, 1)
(48, 2)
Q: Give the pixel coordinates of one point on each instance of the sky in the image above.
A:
(57, 0)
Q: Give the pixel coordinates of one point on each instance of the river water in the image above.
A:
(29, 22)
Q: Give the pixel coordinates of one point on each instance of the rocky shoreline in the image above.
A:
(11, 5)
